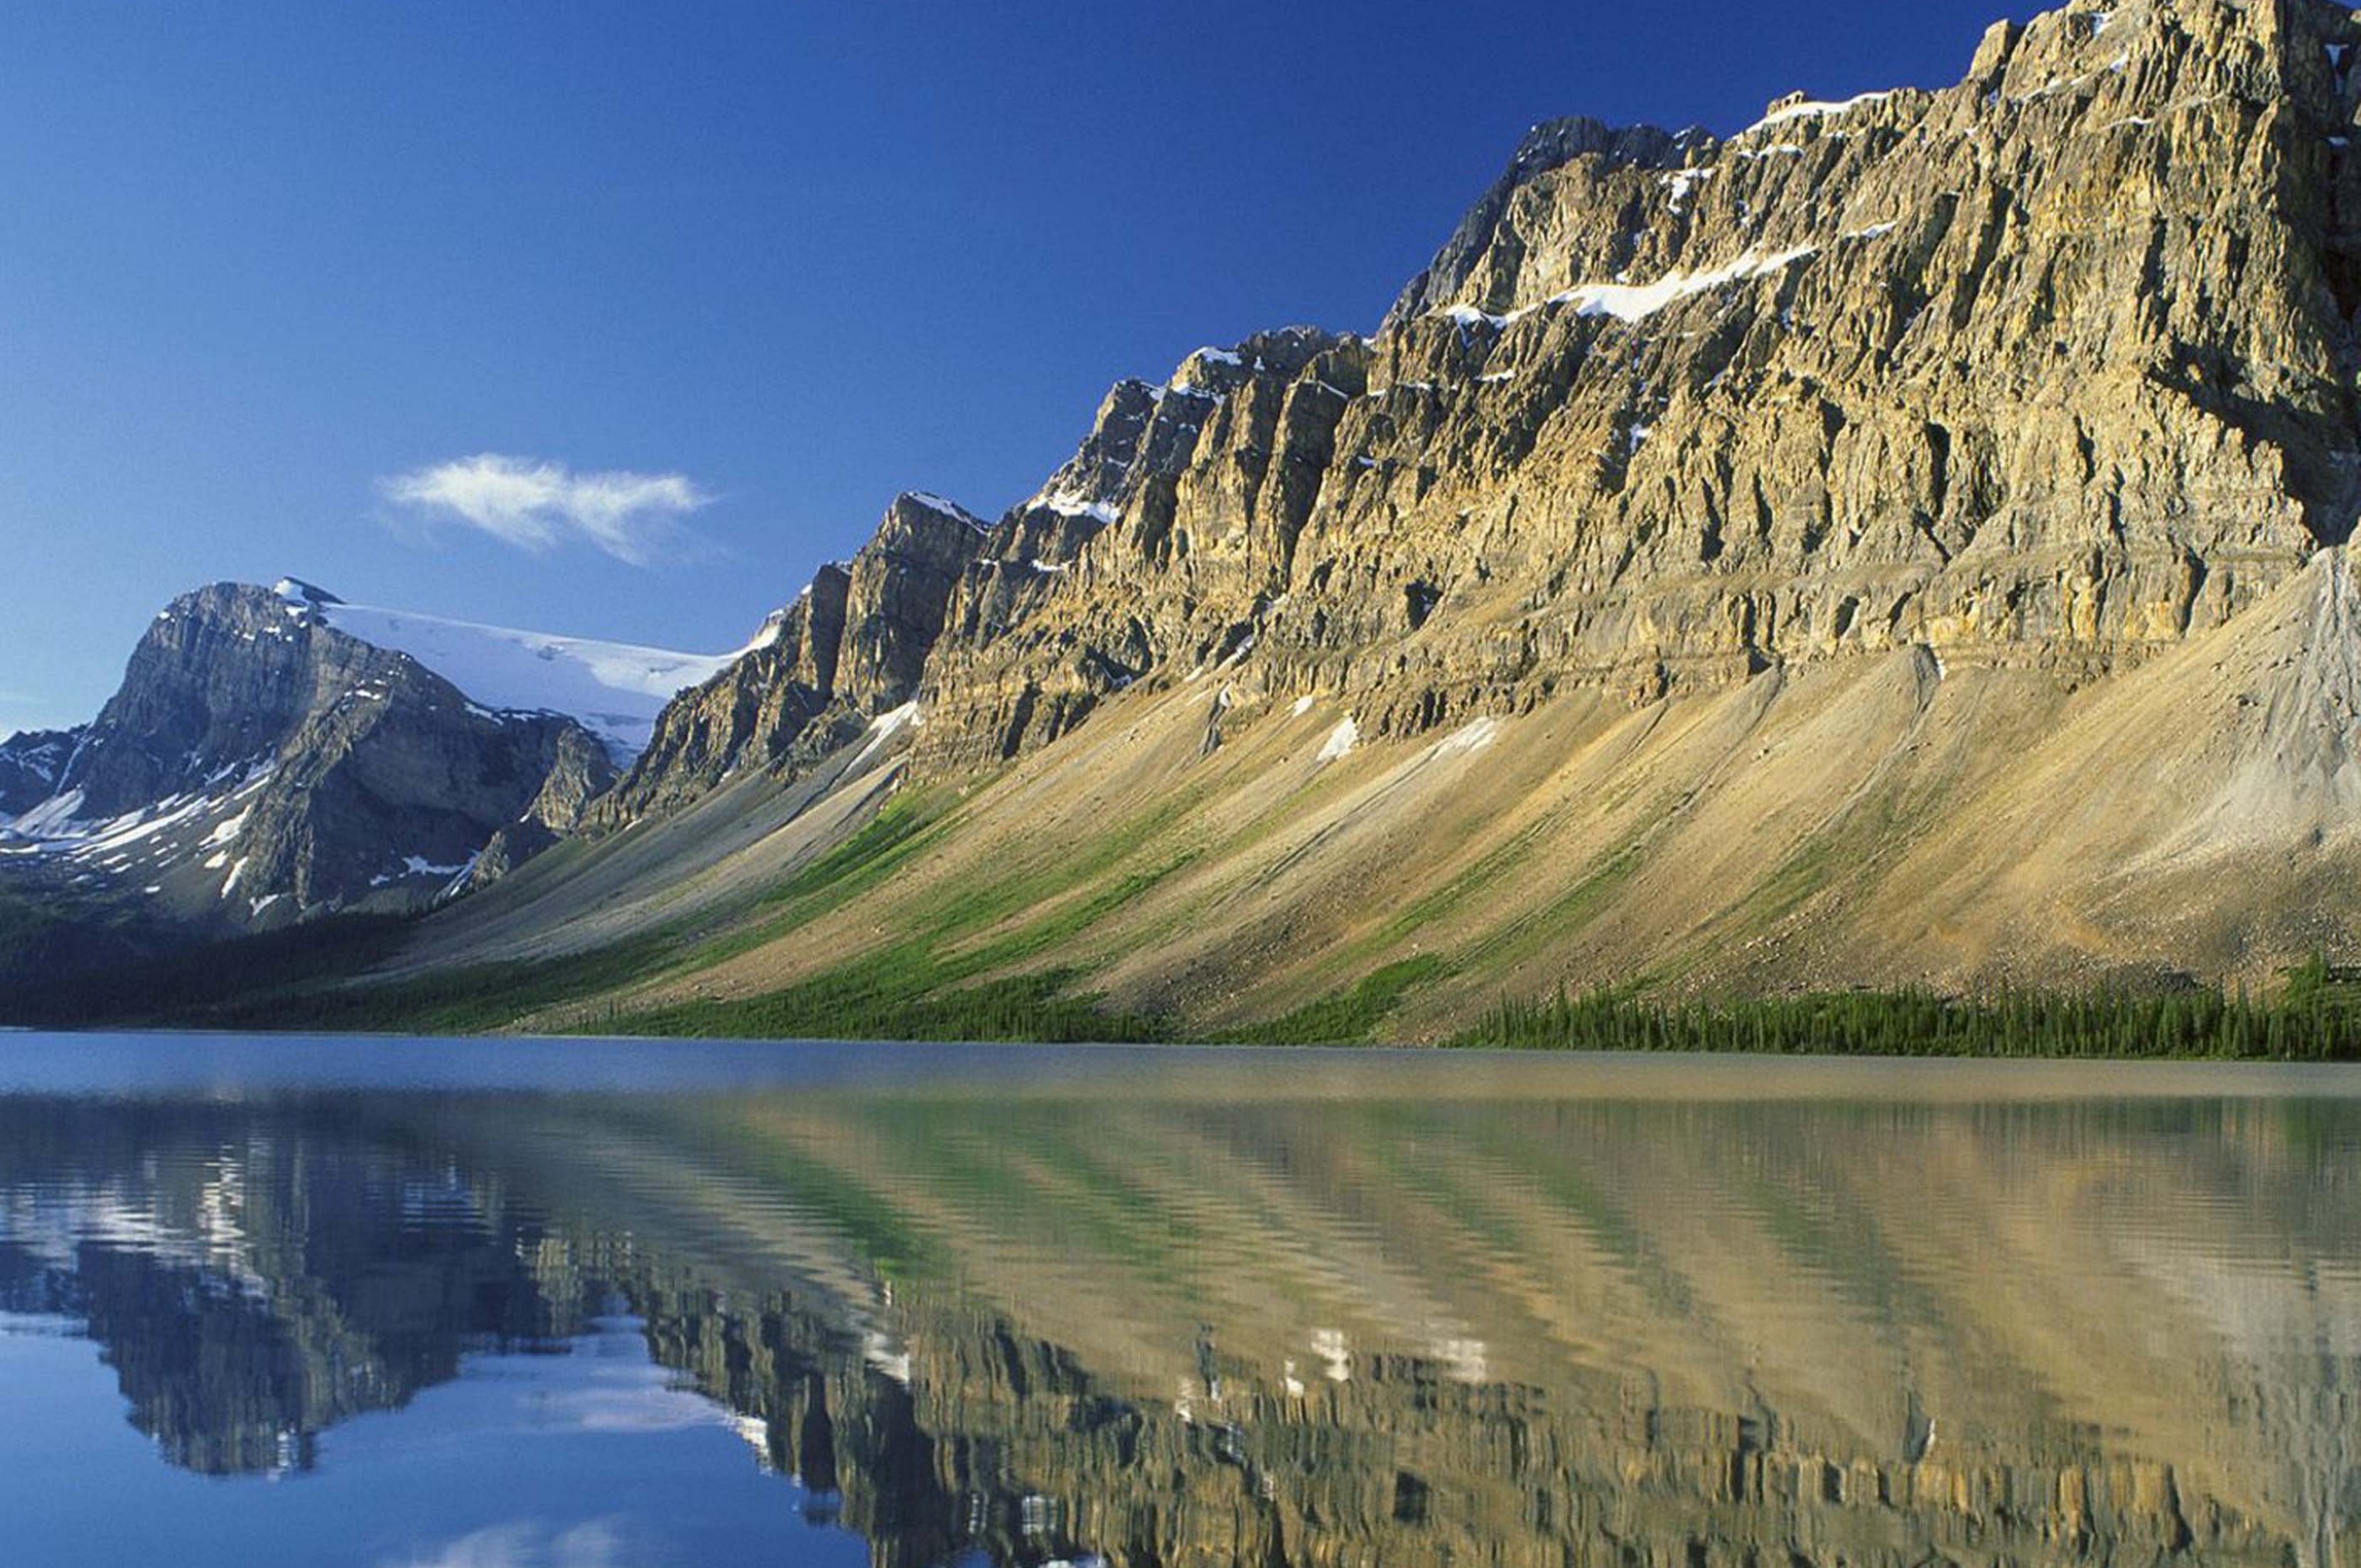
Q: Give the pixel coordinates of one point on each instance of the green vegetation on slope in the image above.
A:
(945, 976)
(894, 997)
(38, 945)
(310, 976)
(2315, 1019)
(1351, 1016)
(962, 968)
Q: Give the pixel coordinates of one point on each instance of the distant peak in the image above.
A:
(295, 590)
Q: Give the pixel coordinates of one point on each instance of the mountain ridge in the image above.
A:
(1901, 543)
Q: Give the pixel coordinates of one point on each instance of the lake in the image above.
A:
(498, 1304)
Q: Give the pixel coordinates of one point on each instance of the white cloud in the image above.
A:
(598, 1544)
(537, 504)
(629, 1399)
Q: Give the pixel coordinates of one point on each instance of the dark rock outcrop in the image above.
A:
(31, 764)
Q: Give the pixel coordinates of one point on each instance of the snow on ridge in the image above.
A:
(1637, 302)
(1683, 182)
(943, 506)
(295, 590)
(1815, 109)
(614, 689)
(884, 727)
(56, 826)
(1073, 504)
(774, 626)
(419, 865)
(50, 818)
(1471, 737)
(1468, 315)
(1197, 358)
(1341, 739)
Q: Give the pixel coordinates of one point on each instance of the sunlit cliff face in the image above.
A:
(1188, 1325)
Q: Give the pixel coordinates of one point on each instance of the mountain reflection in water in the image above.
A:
(1238, 1314)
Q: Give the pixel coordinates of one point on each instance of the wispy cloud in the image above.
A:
(526, 1544)
(538, 506)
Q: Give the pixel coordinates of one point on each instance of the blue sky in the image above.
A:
(267, 271)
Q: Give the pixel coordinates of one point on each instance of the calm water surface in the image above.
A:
(399, 1304)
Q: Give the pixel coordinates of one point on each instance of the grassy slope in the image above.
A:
(1871, 825)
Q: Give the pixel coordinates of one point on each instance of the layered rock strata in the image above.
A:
(2047, 369)
(851, 648)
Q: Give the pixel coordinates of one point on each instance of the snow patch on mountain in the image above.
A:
(1813, 109)
(884, 727)
(614, 689)
(1073, 504)
(943, 506)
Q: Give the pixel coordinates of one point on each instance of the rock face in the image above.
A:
(29, 764)
(2047, 369)
(1166, 541)
(852, 646)
(259, 764)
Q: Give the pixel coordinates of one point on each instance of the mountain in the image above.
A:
(277, 753)
(1903, 542)
(853, 646)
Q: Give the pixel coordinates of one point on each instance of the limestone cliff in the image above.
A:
(2047, 369)
(852, 646)
(1895, 543)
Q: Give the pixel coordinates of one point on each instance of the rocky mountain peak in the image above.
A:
(852, 646)
(1548, 148)
(295, 590)
(913, 504)
(2053, 366)
(221, 678)
(258, 763)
